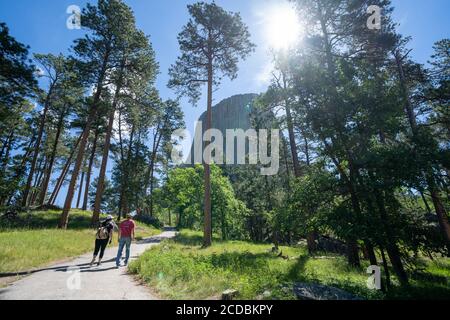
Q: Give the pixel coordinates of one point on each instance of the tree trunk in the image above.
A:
(353, 256)
(353, 253)
(151, 192)
(292, 143)
(306, 142)
(59, 184)
(63, 174)
(425, 202)
(7, 147)
(92, 115)
(207, 233)
(76, 170)
(80, 190)
(122, 159)
(105, 155)
(48, 175)
(311, 242)
(439, 207)
(37, 147)
(5, 144)
(370, 253)
(408, 106)
(386, 269)
(442, 216)
(89, 172)
(156, 143)
(123, 202)
(38, 181)
(21, 170)
(286, 163)
(391, 246)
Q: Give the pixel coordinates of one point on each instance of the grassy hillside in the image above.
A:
(32, 240)
(181, 269)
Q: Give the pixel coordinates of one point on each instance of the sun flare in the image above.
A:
(283, 27)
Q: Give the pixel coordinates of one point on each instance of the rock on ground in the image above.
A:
(311, 291)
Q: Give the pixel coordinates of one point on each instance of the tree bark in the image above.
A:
(425, 202)
(386, 269)
(152, 171)
(311, 242)
(106, 147)
(353, 253)
(21, 170)
(48, 174)
(63, 174)
(38, 182)
(123, 202)
(37, 147)
(92, 115)
(76, 170)
(408, 106)
(7, 147)
(391, 246)
(431, 181)
(442, 216)
(80, 189)
(89, 172)
(207, 233)
(371, 253)
(290, 126)
(101, 177)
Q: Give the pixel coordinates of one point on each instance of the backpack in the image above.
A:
(102, 233)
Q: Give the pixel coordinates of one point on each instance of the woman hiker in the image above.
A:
(102, 238)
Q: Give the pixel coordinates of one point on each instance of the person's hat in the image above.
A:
(109, 217)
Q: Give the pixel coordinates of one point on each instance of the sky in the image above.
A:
(41, 24)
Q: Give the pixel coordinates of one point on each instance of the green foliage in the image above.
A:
(184, 195)
(17, 79)
(212, 39)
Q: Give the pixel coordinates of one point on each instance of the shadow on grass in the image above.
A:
(420, 292)
(246, 262)
(299, 268)
(193, 239)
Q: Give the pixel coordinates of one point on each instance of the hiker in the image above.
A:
(102, 238)
(126, 235)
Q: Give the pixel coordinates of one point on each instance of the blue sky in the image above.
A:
(41, 24)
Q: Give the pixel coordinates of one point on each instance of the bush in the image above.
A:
(153, 221)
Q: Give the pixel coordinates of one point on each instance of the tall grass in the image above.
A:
(24, 249)
(181, 269)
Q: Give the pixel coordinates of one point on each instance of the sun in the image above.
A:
(283, 28)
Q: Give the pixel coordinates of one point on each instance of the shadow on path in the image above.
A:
(155, 239)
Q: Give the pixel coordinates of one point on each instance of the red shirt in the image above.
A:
(126, 228)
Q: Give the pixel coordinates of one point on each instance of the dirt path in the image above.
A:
(77, 281)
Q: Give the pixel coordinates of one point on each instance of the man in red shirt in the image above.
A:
(126, 235)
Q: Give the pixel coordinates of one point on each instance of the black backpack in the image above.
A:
(103, 232)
